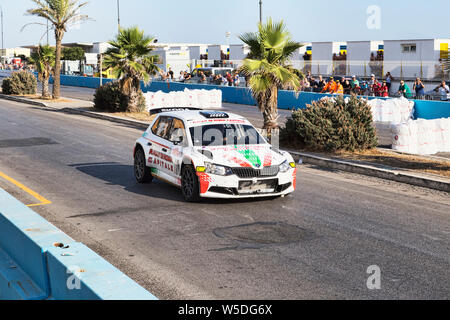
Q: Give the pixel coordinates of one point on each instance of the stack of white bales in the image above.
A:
(421, 136)
(201, 99)
(393, 111)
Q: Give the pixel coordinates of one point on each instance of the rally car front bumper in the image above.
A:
(232, 186)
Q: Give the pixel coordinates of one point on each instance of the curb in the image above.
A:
(359, 168)
(135, 123)
(23, 100)
(369, 170)
(79, 111)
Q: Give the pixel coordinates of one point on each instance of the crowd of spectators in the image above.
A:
(333, 85)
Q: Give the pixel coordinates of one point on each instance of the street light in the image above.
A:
(260, 11)
(118, 14)
(3, 45)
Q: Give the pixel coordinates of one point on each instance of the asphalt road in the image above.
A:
(314, 244)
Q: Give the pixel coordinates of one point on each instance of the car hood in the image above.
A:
(251, 156)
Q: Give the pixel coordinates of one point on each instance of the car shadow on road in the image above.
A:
(117, 174)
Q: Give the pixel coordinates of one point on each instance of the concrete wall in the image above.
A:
(32, 267)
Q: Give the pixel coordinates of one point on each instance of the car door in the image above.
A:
(177, 142)
(159, 155)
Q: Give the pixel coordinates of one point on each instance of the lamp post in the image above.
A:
(260, 11)
(118, 14)
(3, 45)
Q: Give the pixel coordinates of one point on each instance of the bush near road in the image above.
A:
(111, 98)
(331, 125)
(20, 83)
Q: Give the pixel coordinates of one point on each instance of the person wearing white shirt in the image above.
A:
(444, 91)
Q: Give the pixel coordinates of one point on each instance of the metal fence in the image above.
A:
(407, 70)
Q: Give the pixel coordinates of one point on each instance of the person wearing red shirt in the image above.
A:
(384, 90)
(376, 88)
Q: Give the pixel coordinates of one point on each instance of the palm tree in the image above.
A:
(131, 61)
(61, 14)
(44, 60)
(268, 69)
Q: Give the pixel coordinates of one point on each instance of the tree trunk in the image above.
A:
(269, 108)
(45, 88)
(133, 102)
(57, 72)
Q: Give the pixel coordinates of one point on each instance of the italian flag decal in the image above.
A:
(251, 156)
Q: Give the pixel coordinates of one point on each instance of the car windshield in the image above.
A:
(224, 135)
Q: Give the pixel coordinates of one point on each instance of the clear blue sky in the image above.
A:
(208, 21)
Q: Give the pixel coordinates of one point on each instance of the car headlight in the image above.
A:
(217, 169)
(286, 166)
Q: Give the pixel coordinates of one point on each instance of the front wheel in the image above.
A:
(142, 173)
(189, 184)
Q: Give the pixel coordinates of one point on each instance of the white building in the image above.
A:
(196, 51)
(215, 50)
(239, 51)
(359, 54)
(177, 60)
(322, 55)
(415, 58)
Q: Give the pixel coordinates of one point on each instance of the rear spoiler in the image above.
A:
(161, 110)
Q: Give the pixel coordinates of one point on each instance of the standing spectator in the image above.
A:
(355, 82)
(320, 84)
(236, 79)
(339, 88)
(181, 77)
(313, 85)
(170, 73)
(404, 90)
(202, 77)
(419, 88)
(389, 79)
(308, 76)
(330, 87)
(187, 76)
(384, 90)
(376, 89)
(212, 78)
(229, 78)
(346, 86)
(306, 86)
(224, 80)
(372, 80)
(364, 88)
(444, 91)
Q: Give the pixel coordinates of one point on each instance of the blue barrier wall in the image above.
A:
(286, 99)
(33, 268)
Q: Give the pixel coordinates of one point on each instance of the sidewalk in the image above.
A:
(421, 179)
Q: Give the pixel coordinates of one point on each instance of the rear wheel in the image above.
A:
(189, 184)
(142, 173)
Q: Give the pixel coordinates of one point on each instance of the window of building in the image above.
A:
(409, 48)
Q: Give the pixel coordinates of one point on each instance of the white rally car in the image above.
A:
(211, 154)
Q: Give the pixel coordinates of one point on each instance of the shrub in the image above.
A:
(332, 125)
(109, 97)
(21, 82)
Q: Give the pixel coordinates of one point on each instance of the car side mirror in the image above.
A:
(178, 140)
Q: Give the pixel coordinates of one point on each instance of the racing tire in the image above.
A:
(142, 173)
(190, 187)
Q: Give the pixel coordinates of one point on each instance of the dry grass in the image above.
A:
(402, 161)
(140, 116)
(38, 97)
